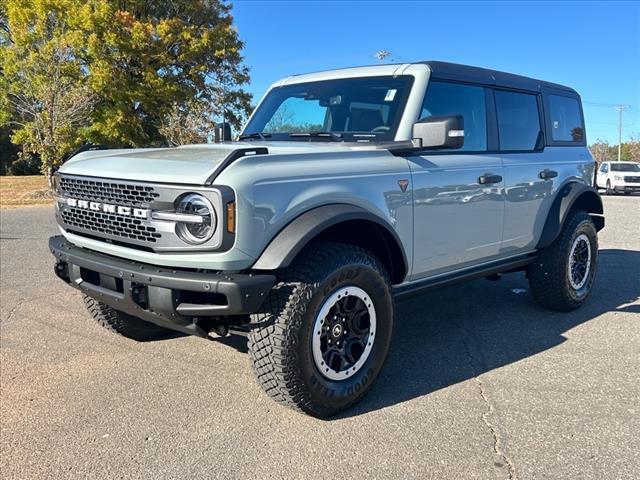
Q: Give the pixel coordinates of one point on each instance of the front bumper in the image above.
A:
(626, 187)
(170, 298)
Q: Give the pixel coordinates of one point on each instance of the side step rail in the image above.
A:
(419, 286)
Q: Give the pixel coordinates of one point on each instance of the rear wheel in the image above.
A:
(123, 324)
(324, 332)
(562, 276)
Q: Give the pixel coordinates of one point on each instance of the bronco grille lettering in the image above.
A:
(106, 208)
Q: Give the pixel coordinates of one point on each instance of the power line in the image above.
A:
(605, 105)
(599, 104)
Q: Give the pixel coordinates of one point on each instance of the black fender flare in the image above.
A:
(284, 247)
(573, 194)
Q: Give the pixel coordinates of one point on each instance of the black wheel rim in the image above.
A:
(580, 262)
(344, 332)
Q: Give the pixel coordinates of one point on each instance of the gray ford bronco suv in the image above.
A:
(346, 188)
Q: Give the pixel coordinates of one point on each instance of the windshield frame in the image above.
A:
(365, 137)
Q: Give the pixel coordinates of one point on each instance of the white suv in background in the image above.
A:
(619, 177)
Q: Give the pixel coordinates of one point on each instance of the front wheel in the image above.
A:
(609, 190)
(325, 330)
(562, 276)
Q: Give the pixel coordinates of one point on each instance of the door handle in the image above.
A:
(546, 174)
(488, 178)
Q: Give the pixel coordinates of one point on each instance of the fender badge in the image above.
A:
(403, 184)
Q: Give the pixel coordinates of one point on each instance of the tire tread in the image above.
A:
(272, 339)
(547, 276)
(123, 324)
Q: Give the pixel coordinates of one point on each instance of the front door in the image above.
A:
(457, 194)
(457, 220)
(601, 179)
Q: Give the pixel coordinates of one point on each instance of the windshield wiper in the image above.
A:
(259, 135)
(332, 135)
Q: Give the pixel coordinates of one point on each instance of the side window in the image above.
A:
(456, 99)
(518, 121)
(566, 119)
(604, 168)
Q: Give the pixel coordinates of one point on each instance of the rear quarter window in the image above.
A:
(565, 119)
(518, 121)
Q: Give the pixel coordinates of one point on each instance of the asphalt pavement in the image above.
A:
(481, 384)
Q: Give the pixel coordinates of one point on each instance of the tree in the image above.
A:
(110, 71)
(188, 123)
(633, 149)
(601, 151)
(8, 151)
(45, 96)
(147, 57)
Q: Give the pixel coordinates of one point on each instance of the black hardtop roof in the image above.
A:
(485, 76)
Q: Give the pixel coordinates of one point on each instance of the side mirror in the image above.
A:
(222, 132)
(439, 132)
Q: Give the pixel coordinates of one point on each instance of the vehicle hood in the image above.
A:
(189, 164)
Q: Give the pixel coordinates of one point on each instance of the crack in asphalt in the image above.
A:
(21, 301)
(489, 412)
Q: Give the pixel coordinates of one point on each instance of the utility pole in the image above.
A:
(620, 109)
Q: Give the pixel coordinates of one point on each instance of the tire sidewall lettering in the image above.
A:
(356, 385)
(344, 276)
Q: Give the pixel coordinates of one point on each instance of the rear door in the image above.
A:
(530, 173)
(457, 194)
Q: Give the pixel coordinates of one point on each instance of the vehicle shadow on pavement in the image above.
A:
(454, 334)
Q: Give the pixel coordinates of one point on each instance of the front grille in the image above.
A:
(632, 179)
(107, 192)
(91, 207)
(99, 222)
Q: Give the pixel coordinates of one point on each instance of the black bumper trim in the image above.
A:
(161, 287)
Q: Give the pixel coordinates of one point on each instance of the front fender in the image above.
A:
(284, 247)
(571, 195)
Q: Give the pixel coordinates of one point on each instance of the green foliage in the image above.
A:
(8, 151)
(602, 151)
(147, 57)
(26, 164)
(110, 71)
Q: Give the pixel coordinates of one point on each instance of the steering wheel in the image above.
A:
(380, 129)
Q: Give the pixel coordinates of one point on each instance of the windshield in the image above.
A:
(625, 167)
(349, 109)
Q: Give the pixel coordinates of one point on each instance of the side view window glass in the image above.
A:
(518, 121)
(604, 168)
(455, 99)
(566, 119)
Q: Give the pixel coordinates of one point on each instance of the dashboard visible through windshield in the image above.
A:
(365, 109)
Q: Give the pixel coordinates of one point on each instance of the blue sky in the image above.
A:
(593, 47)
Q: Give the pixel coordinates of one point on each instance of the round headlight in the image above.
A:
(191, 232)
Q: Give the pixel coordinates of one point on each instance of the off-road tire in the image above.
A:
(280, 339)
(548, 275)
(123, 324)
